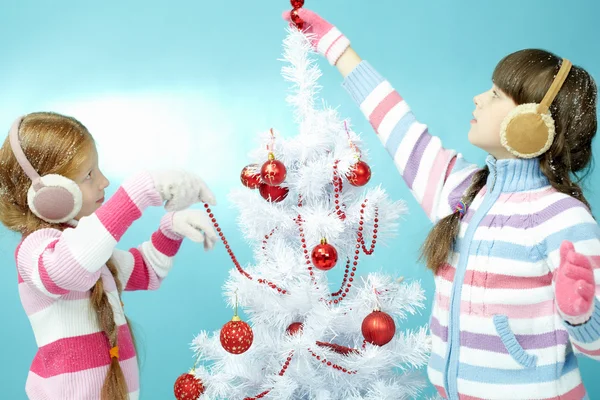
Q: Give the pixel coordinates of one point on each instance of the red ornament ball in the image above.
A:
(188, 387)
(295, 17)
(378, 328)
(359, 174)
(273, 193)
(324, 256)
(294, 328)
(250, 176)
(273, 172)
(236, 336)
(297, 3)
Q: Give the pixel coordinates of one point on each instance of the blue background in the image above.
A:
(191, 83)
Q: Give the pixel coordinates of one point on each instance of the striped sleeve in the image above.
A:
(437, 177)
(144, 267)
(578, 226)
(56, 262)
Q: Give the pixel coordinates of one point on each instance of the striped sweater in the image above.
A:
(496, 332)
(56, 271)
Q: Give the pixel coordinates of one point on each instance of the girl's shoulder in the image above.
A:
(42, 237)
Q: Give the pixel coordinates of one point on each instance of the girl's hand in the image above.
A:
(574, 285)
(195, 225)
(181, 189)
(326, 38)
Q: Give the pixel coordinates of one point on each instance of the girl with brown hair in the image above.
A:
(514, 245)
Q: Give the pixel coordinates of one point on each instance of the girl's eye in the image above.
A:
(89, 176)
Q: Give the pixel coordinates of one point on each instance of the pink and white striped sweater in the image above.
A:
(496, 332)
(56, 271)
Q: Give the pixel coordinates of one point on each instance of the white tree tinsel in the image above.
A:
(386, 372)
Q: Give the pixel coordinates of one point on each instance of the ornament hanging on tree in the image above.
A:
(188, 387)
(250, 176)
(324, 256)
(378, 328)
(236, 335)
(274, 194)
(359, 174)
(296, 4)
(273, 172)
(294, 328)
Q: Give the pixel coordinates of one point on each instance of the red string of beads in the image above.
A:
(299, 221)
(282, 371)
(330, 364)
(360, 231)
(234, 259)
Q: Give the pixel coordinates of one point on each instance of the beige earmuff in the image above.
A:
(528, 130)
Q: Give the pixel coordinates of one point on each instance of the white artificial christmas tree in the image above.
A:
(308, 343)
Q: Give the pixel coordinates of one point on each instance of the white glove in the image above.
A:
(195, 225)
(181, 189)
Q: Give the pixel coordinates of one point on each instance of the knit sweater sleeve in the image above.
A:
(573, 222)
(437, 177)
(144, 267)
(55, 262)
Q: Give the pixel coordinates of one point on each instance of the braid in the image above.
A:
(441, 239)
(115, 385)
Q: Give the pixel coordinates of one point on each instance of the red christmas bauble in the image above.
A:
(188, 387)
(273, 172)
(295, 17)
(273, 193)
(378, 328)
(294, 328)
(250, 176)
(324, 256)
(359, 174)
(297, 3)
(236, 336)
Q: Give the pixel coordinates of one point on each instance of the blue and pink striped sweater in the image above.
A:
(496, 332)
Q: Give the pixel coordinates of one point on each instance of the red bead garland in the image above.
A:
(349, 276)
(234, 259)
(282, 371)
(330, 364)
(337, 189)
(298, 221)
(267, 237)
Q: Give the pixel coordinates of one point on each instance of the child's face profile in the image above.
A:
(92, 183)
(491, 107)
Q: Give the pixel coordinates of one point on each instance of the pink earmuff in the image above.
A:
(53, 198)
